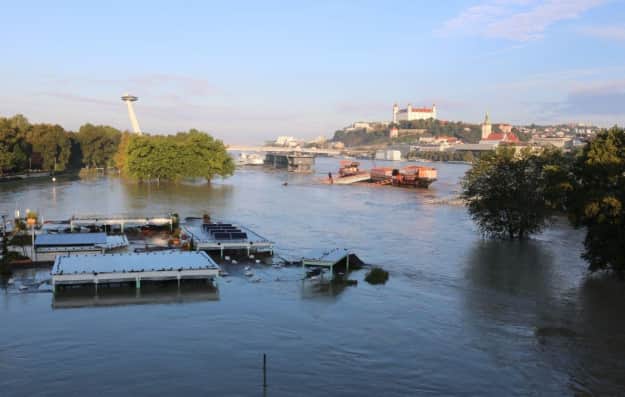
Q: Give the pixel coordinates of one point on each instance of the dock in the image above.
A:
(222, 237)
(129, 269)
(348, 180)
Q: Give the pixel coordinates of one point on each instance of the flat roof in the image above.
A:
(333, 255)
(62, 239)
(193, 227)
(133, 262)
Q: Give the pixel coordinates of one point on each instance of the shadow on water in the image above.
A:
(174, 196)
(572, 331)
(122, 296)
(511, 268)
(598, 364)
(327, 290)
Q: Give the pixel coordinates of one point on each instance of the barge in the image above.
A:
(409, 176)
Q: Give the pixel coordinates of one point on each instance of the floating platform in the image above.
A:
(224, 237)
(132, 269)
(347, 180)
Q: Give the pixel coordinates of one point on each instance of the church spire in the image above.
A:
(487, 119)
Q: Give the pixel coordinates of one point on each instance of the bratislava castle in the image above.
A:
(410, 113)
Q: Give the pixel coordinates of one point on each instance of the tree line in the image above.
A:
(514, 194)
(26, 147)
(49, 147)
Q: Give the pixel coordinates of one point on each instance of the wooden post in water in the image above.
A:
(264, 370)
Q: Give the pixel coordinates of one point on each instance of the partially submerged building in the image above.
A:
(48, 246)
(131, 269)
(224, 237)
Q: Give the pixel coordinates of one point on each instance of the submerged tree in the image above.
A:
(511, 194)
(598, 199)
(190, 154)
(98, 144)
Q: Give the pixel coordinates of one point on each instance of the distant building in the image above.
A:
(505, 128)
(410, 113)
(487, 128)
(393, 155)
(393, 132)
(559, 142)
(489, 137)
(288, 141)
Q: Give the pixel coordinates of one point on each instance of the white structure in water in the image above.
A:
(129, 99)
(410, 113)
(126, 268)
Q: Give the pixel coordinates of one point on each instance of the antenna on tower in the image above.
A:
(129, 99)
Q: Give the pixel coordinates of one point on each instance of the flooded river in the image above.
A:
(459, 315)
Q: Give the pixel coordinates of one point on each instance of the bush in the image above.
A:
(377, 275)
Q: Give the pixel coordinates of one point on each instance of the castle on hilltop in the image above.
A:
(410, 113)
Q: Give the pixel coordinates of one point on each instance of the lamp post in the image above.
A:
(31, 222)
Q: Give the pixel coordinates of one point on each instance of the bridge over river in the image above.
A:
(281, 149)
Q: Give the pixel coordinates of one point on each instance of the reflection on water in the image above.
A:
(459, 315)
(88, 296)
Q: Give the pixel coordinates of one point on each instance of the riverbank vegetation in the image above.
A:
(514, 194)
(192, 154)
(25, 147)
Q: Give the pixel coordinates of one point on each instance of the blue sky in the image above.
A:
(249, 71)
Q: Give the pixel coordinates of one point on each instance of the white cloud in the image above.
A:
(605, 32)
(516, 20)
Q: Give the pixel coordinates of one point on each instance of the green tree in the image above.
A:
(190, 154)
(597, 200)
(507, 193)
(52, 143)
(14, 149)
(98, 144)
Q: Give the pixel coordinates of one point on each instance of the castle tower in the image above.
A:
(395, 111)
(487, 128)
(434, 111)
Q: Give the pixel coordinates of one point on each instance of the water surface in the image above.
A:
(460, 315)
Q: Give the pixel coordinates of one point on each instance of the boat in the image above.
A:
(414, 176)
(409, 176)
(349, 172)
(250, 159)
(349, 168)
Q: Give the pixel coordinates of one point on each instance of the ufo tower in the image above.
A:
(129, 99)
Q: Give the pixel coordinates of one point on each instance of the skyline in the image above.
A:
(253, 72)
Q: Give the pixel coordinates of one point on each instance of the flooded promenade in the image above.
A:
(459, 315)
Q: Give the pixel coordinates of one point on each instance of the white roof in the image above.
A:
(133, 262)
(70, 239)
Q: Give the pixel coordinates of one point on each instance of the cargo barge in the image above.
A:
(409, 176)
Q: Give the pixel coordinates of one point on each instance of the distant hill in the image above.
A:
(409, 131)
